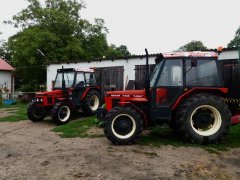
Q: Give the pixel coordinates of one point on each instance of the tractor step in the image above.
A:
(161, 114)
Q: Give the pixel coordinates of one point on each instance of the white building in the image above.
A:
(119, 71)
(6, 76)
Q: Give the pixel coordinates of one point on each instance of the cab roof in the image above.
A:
(191, 54)
(77, 70)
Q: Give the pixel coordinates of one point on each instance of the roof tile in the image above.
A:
(5, 66)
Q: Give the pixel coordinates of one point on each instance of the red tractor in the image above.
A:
(78, 91)
(186, 91)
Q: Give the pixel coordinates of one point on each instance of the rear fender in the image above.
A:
(189, 92)
(87, 90)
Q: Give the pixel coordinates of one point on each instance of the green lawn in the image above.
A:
(165, 136)
(78, 128)
(20, 112)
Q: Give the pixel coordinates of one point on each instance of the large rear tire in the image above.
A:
(36, 113)
(203, 118)
(61, 113)
(91, 102)
(122, 125)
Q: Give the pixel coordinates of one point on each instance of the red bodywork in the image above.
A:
(236, 119)
(125, 96)
(133, 96)
(46, 96)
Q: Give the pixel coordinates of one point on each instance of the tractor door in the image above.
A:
(79, 88)
(167, 86)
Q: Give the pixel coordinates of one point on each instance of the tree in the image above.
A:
(117, 52)
(193, 46)
(236, 40)
(4, 50)
(58, 30)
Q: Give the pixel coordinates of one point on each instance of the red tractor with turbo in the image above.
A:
(186, 91)
(74, 90)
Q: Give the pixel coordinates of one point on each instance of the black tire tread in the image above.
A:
(55, 110)
(107, 126)
(31, 115)
(184, 110)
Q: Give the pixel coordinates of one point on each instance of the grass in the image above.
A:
(20, 114)
(78, 128)
(165, 136)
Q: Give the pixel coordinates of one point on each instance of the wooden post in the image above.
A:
(0, 96)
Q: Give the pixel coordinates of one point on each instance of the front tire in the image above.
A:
(61, 113)
(35, 113)
(122, 125)
(203, 119)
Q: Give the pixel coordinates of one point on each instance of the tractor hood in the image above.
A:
(115, 98)
(127, 94)
(50, 93)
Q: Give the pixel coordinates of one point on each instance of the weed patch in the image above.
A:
(78, 128)
(17, 112)
(165, 136)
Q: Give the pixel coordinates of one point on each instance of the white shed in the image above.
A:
(128, 66)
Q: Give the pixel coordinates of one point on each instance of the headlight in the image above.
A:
(37, 100)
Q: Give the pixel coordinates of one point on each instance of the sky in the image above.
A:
(158, 25)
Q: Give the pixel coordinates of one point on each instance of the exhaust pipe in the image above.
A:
(63, 82)
(147, 76)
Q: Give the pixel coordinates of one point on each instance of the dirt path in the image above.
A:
(31, 151)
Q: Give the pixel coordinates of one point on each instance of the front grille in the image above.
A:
(115, 102)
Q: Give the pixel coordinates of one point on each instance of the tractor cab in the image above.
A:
(73, 90)
(74, 78)
(179, 73)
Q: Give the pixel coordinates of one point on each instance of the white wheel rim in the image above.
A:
(67, 116)
(127, 135)
(95, 105)
(214, 127)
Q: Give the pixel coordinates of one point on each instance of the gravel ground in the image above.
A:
(32, 151)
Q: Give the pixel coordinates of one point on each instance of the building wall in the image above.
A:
(230, 54)
(129, 66)
(6, 79)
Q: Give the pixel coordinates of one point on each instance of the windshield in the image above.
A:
(171, 73)
(155, 73)
(69, 79)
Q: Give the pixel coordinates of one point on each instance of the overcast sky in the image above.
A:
(159, 25)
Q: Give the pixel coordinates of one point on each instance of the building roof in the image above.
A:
(136, 56)
(5, 66)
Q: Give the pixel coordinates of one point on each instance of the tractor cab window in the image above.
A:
(171, 74)
(80, 77)
(69, 78)
(204, 72)
(90, 78)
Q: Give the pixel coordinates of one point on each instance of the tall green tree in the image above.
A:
(193, 46)
(4, 50)
(236, 40)
(57, 29)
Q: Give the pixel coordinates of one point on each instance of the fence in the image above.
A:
(20, 96)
